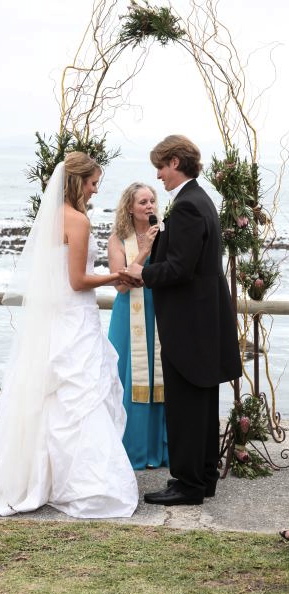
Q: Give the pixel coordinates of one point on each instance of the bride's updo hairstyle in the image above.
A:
(78, 167)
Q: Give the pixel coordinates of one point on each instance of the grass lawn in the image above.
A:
(106, 558)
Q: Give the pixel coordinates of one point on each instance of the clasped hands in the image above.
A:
(131, 275)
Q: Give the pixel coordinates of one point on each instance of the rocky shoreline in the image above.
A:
(12, 240)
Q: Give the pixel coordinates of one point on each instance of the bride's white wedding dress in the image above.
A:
(79, 465)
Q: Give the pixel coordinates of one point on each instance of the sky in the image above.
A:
(39, 38)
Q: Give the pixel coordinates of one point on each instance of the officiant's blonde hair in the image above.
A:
(123, 226)
(78, 167)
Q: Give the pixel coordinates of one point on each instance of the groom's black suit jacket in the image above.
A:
(194, 314)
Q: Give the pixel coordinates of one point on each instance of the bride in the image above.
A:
(61, 413)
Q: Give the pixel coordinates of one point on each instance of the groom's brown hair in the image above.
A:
(181, 147)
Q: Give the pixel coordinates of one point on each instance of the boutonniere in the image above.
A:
(168, 209)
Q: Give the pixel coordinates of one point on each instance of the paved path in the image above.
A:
(259, 505)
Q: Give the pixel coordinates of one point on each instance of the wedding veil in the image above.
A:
(39, 279)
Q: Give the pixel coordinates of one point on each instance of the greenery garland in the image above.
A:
(238, 183)
(241, 213)
(143, 22)
(252, 468)
(248, 421)
(256, 277)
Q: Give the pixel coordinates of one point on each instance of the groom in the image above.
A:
(196, 324)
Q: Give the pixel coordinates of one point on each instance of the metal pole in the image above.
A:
(256, 320)
(234, 302)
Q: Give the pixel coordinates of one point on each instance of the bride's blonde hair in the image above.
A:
(78, 167)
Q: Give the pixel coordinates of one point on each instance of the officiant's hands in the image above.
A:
(146, 240)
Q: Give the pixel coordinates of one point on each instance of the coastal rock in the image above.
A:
(12, 240)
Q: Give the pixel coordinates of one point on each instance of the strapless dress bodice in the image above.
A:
(72, 297)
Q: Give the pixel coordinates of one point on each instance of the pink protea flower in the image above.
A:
(242, 222)
(242, 456)
(259, 283)
(245, 424)
(219, 176)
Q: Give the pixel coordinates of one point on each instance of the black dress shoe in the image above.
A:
(210, 490)
(172, 496)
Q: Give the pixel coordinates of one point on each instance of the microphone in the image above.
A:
(153, 220)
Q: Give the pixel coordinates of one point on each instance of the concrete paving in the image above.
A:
(259, 505)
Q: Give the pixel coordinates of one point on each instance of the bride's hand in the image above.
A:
(128, 281)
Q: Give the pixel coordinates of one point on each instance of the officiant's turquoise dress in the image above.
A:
(145, 437)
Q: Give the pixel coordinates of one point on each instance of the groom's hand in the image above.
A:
(129, 280)
(134, 270)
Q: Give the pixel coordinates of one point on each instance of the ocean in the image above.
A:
(15, 191)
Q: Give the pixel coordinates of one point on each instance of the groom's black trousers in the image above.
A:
(192, 415)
